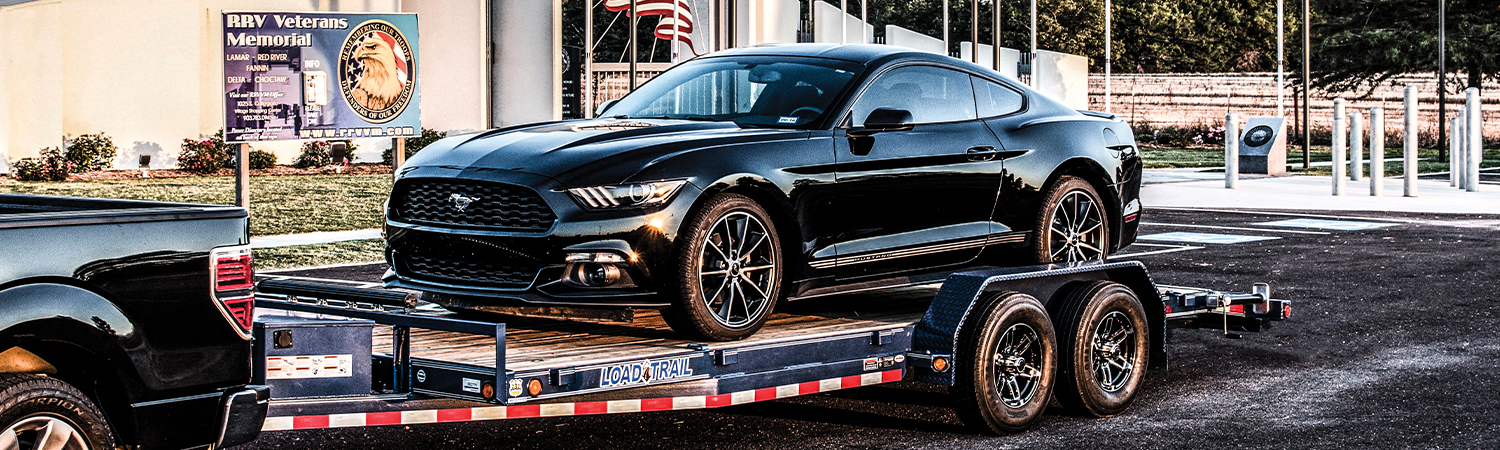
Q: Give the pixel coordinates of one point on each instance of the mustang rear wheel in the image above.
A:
(1071, 225)
(729, 271)
(44, 413)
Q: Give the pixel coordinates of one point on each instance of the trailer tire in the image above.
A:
(33, 405)
(1104, 342)
(1002, 383)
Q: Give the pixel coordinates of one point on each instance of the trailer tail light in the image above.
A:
(233, 272)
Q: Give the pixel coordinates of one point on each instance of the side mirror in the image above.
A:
(605, 107)
(889, 119)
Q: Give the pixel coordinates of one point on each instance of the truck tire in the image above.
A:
(38, 407)
(1005, 364)
(1103, 340)
(729, 271)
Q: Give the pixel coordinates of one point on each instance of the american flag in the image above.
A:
(683, 19)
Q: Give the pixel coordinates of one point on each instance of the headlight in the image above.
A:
(627, 196)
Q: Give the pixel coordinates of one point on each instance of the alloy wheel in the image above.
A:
(43, 433)
(1016, 359)
(1113, 351)
(1077, 229)
(737, 274)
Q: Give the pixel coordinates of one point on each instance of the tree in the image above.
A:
(1363, 43)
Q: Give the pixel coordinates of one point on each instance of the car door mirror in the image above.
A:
(605, 107)
(889, 119)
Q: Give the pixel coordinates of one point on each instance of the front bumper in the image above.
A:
(508, 268)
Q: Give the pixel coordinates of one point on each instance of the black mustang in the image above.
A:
(753, 175)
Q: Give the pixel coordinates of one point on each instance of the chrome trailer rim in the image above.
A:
(1016, 358)
(1114, 354)
(737, 274)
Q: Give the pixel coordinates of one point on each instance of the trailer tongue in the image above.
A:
(988, 333)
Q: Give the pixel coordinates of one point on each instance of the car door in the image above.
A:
(916, 197)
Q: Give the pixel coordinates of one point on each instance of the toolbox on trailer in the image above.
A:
(303, 357)
(430, 365)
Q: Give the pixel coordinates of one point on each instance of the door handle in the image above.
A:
(982, 153)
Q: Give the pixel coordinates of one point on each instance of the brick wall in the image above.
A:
(1188, 99)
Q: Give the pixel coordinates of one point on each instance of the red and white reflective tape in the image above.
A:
(575, 409)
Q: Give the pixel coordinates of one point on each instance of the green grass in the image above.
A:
(279, 204)
(367, 250)
(1156, 158)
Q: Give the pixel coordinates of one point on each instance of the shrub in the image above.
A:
(414, 144)
(261, 159)
(51, 166)
(205, 156)
(91, 152)
(314, 154)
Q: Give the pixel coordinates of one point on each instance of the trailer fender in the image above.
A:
(937, 334)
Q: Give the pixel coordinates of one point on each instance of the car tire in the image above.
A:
(729, 271)
(1060, 236)
(32, 406)
(1005, 364)
(1104, 342)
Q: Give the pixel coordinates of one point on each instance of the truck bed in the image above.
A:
(30, 211)
(540, 344)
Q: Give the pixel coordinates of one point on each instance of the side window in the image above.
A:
(996, 100)
(932, 94)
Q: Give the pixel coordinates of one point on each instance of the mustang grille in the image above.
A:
(472, 205)
(465, 262)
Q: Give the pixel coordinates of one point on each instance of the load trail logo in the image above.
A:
(642, 372)
(377, 71)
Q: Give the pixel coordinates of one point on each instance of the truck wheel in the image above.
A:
(40, 412)
(1070, 225)
(1103, 340)
(1005, 364)
(729, 271)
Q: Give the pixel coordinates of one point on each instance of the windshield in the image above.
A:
(749, 91)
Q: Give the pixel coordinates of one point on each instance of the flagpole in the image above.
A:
(675, 20)
(633, 39)
(588, 61)
(999, 25)
(864, 20)
(843, 21)
(974, 20)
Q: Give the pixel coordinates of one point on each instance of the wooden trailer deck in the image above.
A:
(535, 343)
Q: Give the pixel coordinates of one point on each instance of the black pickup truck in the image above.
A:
(125, 324)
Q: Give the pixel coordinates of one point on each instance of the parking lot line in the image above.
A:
(1341, 225)
(1158, 224)
(1205, 238)
(1288, 214)
(1172, 249)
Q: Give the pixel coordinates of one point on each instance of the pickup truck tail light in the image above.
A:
(233, 274)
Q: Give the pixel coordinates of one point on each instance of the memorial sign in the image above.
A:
(291, 75)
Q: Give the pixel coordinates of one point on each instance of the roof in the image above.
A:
(858, 53)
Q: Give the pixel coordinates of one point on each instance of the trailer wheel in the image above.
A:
(729, 273)
(45, 413)
(1103, 341)
(1005, 364)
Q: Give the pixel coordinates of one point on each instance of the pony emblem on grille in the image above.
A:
(460, 201)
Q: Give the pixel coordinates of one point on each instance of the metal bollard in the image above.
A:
(1475, 128)
(1338, 146)
(1356, 146)
(1409, 143)
(1461, 151)
(1231, 151)
(1377, 152)
(1453, 145)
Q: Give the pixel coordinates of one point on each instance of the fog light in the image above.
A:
(593, 275)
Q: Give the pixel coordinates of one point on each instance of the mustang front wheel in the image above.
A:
(729, 274)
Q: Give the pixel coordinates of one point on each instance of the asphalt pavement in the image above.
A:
(1392, 344)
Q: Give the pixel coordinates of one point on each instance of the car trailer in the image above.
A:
(385, 359)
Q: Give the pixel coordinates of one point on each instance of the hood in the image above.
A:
(585, 152)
